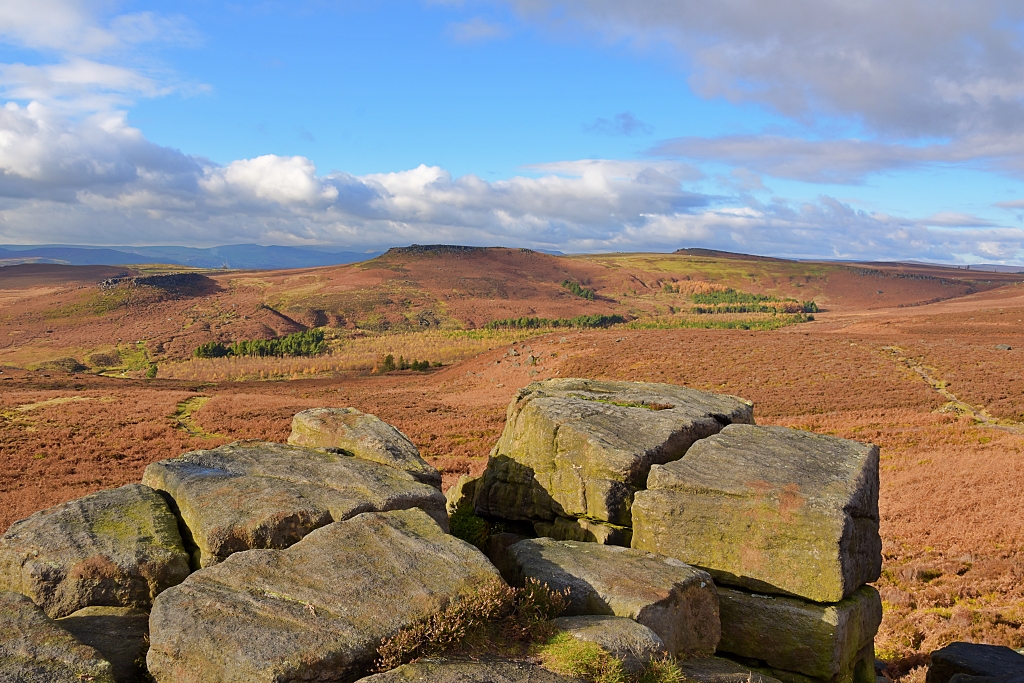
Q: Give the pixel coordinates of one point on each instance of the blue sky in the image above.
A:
(794, 128)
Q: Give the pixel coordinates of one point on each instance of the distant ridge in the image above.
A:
(242, 256)
(715, 253)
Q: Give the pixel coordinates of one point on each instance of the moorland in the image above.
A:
(106, 369)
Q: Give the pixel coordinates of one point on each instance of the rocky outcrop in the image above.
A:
(363, 436)
(119, 634)
(585, 530)
(770, 509)
(973, 660)
(469, 672)
(830, 642)
(630, 642)
(252, 494)
(582, 448)
(460, 495)
(318, 609)
(721, 670)
(676, 601)
(34, 649)
(118, 548)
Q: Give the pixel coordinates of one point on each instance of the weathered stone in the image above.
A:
(497, 547)
(317, 610)
(631, 642)
(574, 529)
(966, 678)
(469, 672)
(770, 509)
(975, 660)
(582, 448)
(674, 600)
(252, 494)
(34, 649)
(460, 495)
(118, 633)
(115, 547)
(859, 670)
(817, 640)
(364, 436)
(721, 670)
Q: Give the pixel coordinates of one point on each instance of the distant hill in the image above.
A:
(240, 256)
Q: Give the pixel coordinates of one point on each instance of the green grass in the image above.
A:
(760, 324)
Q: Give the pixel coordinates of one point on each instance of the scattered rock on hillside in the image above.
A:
(469, 672)
(364, 436)
(794, 635)
(34, 649)
(317, 610)
(582, 448)
(975, 660)
(114, 547)
(119, 634)
(253, 494)
(1003, 347)
(631, 642)
(676, 601)
(721, 670)
(770, 509)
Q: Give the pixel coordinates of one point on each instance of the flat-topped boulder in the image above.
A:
(254, 494)
(119, 547)
(770, 509)
(315, 611)
(974, 659)
(34, 649)
(678, 602)
(817, 640)
(364, 436)
(119, 634)
(441, 671)
(582, 448)
(721, 670)
(630, 642)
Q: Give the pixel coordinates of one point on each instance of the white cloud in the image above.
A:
(476, 30)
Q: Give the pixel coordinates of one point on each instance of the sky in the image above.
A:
(869, 130)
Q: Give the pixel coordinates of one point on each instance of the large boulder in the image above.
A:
(676, 601)
(316, 611)
(119, 547)
(119, 634)
(33, 649)
(770, 509)
(252, 494)
(497, 671)
(826, 642)
(632, 643)
(721, 670)
(364, 436)
(582, 448)
(975, 660)
(586, 530)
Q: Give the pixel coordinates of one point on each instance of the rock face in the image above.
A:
(631, 642)
(316, 611)
(116, 547)
(252, 494)
(469, 672)
(826, 642)
(364, 436)
(974, 660)
(118, 634)
(33, 649)
(460, 495)
(582, 448)
(770, 509)
(676, 601)
(721, 670)
(573, 529)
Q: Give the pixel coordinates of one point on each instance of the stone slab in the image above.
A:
(632, 643)
(34, 649)
(975, 660)
(820, 641)
(253, 494)
(364, 436)
(119, 547)
(572, 529)
(676, 601)
(315, 611)
(582, 448)
(770, 509)
(721, 670)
